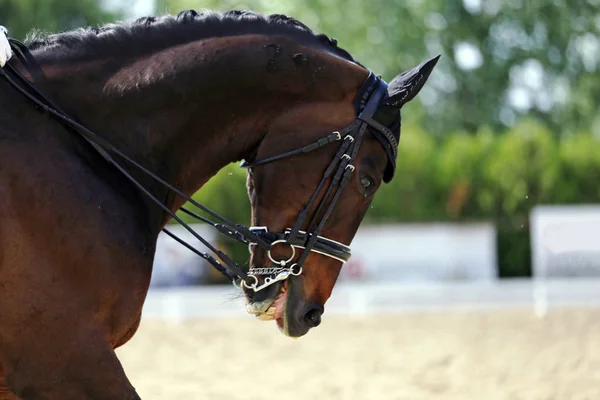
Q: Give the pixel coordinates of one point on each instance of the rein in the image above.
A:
(338, 172)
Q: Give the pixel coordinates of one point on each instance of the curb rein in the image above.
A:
(260, 237)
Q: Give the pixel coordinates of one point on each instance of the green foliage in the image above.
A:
(403, 198)
(464, 178)
(24, 16)
(581, 173)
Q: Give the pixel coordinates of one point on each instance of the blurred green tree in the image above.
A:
(24, 16)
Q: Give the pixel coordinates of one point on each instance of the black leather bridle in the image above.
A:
(338, 173)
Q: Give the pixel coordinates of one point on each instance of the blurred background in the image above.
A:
(480, 256)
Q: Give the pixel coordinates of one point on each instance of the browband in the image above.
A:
(384, 119)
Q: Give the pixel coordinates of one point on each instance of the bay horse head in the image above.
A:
(311, 180)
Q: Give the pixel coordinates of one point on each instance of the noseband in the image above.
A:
(338, 174)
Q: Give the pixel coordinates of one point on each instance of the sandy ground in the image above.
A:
(483, 355)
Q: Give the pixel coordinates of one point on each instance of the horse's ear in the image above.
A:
(404, 87)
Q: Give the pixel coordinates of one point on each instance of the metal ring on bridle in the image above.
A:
(283, 262)
(292, 269)
(350, 138)
(251, 286)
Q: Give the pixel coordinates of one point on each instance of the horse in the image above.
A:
(128, 120)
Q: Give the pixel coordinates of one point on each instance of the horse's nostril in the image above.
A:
(313, 317)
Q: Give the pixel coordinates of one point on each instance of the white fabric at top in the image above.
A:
(5, 52)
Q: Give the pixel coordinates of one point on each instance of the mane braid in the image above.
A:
(152, 33)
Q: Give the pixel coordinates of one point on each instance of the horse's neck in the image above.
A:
(182, 117)
(188, 111)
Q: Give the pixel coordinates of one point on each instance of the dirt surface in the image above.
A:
(483, 355)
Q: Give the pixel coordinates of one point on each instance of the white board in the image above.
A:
(423, 252)
(565, 241)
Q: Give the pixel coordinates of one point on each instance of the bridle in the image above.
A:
(338, 173)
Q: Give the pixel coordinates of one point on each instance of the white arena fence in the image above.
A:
(432, 252)
(368, 298)
(565, 243)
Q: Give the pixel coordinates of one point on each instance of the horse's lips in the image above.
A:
(280, 314)
(279, 304)
(273, 309)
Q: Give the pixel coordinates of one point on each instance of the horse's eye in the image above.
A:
(366, 183)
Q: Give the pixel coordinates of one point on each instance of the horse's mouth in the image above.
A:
(272, 309)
